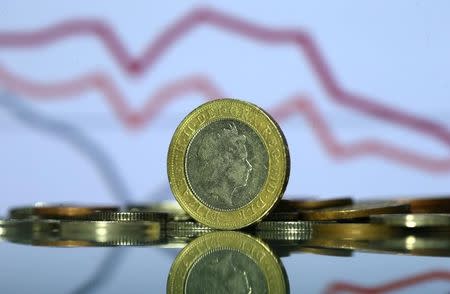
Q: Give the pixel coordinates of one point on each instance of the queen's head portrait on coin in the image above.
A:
(223, 164)
(219, 165)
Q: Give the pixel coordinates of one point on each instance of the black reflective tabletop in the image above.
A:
(231, 262)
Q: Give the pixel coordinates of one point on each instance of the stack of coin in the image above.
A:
(76, 225)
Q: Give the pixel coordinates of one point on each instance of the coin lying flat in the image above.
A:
(413, 220)
(128, 216)
(341, 252)
(57, 211)
(228, 164)
(227, 262)
(284, 225)
(21, 212)
(112, 232)
(358, 210)
(173, 210)
(282, 216)
(314, 204)
(429, 205)
(353, 231)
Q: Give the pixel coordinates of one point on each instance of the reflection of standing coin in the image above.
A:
(228, 164)
(227, 262)
(413, 220)
(358, 210)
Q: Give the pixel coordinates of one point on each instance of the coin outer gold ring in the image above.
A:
(278, 169)
(258, 251)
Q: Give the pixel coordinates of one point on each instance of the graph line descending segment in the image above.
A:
(199, 84)
(73, 137)
(207, 16)
(345, 287)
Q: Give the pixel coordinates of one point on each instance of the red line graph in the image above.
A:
(154, 51)
(345, 287)
(101, 82)
(199, 84)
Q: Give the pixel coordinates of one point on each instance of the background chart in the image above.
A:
(91, 93)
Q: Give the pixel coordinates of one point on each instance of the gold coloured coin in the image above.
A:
(306, 204)
(429, 205)
(357, 210)
(418, 220)
(231, 262)
(112, 232)
(228, 164)
(353, 231)
(341, 252)
(57, 211)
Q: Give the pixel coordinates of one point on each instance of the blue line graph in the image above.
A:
(104, 271)
(72, 136)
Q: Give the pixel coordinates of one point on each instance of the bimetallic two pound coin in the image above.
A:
(228, 164)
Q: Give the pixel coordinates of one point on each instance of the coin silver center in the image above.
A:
(226, 164)
(225, 271)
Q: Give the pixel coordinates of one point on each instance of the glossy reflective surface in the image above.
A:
(236, 262)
